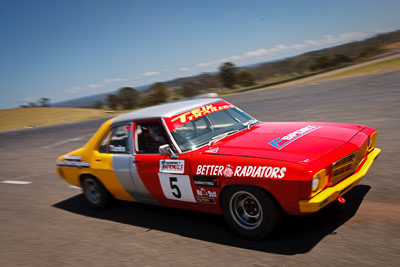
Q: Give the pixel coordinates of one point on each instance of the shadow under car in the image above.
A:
(293, 235)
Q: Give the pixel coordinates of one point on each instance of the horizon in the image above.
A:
(65, 50)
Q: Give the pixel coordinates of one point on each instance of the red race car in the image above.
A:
(208, 155)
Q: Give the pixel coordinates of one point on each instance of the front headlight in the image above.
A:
(319, 181)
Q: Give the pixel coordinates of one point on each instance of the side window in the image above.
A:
(116, 141)
(149, 136)
(119, 139)
(104, 143)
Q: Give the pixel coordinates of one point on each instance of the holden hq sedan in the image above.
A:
(208, 155)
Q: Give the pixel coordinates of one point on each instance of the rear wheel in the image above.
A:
(95, 193)
(249, 211)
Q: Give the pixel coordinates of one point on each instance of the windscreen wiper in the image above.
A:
(250, 123)
(221, 136)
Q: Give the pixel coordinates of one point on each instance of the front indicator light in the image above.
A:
(315, 183)
(318, 182)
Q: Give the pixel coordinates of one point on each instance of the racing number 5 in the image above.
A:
(176, 187)
(173, 186)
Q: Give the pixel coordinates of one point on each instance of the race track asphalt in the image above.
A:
(45, 222)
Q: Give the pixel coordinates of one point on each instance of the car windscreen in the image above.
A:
(201, 131)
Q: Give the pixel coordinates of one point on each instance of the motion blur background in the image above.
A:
(80, 62)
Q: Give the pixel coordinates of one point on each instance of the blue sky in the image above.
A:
(68, 49)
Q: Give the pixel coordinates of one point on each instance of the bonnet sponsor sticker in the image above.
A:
(281, 142)
(172, 166)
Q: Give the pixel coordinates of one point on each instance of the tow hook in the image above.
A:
(341, 200)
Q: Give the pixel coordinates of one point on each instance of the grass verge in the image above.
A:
(18, 118)
(388, 65)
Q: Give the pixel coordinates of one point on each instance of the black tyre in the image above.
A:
(95, 193)
(249, 211)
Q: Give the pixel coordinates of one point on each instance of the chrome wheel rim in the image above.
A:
(246, 210)
(92, 191)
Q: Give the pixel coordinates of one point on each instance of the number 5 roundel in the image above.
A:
(176, 187)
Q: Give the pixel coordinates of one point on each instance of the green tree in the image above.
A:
(322, 62)
(32, 104)
(227, 74)
(189, 89)
(159, 93)
(113, 101)
(98, 104)
(246, 78)
(371, 51)
(128, 97)
(207, 81)
(44, 102)
(340, 59)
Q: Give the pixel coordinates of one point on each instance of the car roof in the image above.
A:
(164, 110)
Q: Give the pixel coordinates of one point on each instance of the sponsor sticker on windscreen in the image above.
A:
(196, 113)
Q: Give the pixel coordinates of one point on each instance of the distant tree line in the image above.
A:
(229, 76)
(42, 102)
(128, 98)
(326, 61)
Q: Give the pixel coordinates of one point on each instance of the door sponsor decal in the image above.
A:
(239, 171)
(202, 192)
(176, 187)
(210, 181)
(172, 166)
(206, 196)
(207, 200)
(281, 142)
(228, 171)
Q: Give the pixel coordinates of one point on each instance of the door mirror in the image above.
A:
(165, 150)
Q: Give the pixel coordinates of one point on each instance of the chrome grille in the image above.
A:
(346, 166)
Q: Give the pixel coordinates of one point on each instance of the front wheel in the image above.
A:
(95, 193)
(249, 211)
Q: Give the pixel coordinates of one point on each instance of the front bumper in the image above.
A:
(332, 193)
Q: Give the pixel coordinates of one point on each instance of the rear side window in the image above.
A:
(104, 143)
(117, 141)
